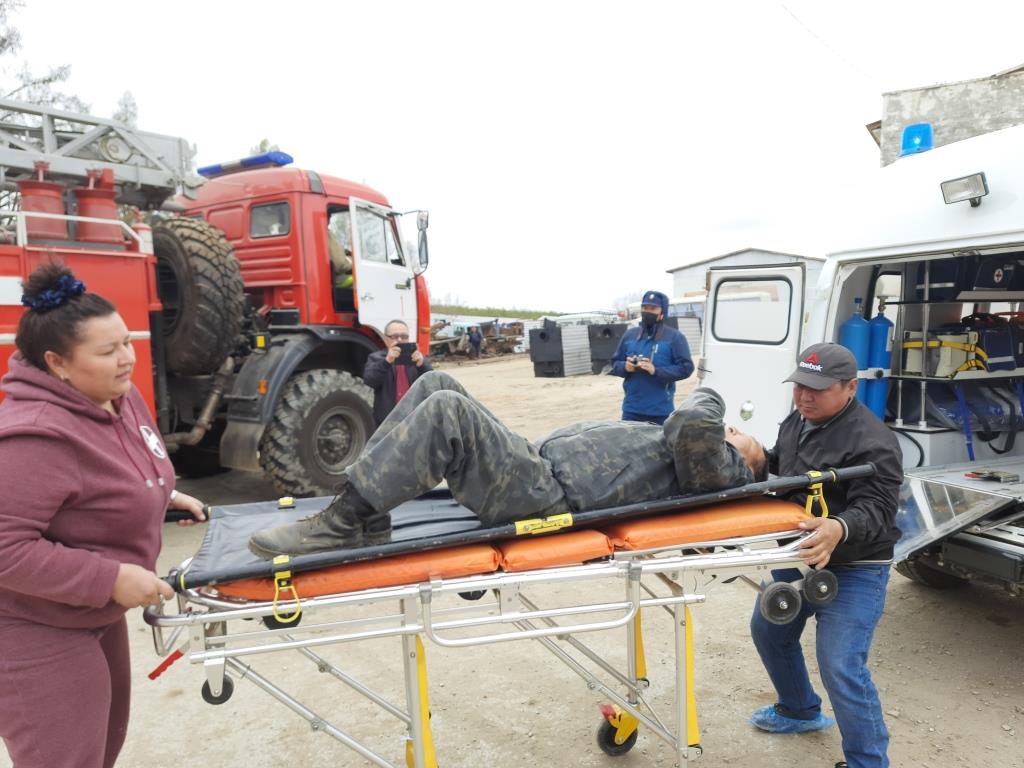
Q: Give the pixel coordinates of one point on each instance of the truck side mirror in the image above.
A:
(422, 256)
(422, 220)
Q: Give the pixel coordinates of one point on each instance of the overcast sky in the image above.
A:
(569, 152)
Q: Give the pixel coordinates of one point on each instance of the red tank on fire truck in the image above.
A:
(253, 300)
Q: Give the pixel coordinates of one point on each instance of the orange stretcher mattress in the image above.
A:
(752, 517)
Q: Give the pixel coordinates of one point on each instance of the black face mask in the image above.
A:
(649, 319)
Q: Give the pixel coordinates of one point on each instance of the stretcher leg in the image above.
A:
(687, 733)
(419, 748)
(316, 722)
(619, 736)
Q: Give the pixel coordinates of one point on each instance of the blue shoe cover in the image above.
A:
(769, 719)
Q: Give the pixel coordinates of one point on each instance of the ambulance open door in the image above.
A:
(751, 339)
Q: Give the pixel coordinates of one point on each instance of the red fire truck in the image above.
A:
(254, 299)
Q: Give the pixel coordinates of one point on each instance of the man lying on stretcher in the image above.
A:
(438, 431)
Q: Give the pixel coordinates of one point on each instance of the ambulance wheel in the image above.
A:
(606, 740)
(923, 573)
(272, 622)
(820, 588)
(779, 602)
(226, 690)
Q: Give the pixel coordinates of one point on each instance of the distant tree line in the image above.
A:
(492, 312)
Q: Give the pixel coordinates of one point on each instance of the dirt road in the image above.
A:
(950, 666)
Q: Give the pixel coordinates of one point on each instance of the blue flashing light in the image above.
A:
(917, 138)
(262, 160)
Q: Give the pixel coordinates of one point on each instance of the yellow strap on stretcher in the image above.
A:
(816, 495)
(971, 363)
(283, 583)
(543, 525)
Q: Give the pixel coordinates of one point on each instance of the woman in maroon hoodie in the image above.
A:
(84, 483)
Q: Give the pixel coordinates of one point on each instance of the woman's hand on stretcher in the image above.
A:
(189, 504)
(816, 550)
(135, 587)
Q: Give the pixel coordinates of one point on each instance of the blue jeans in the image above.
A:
(845, 629)
(634, 416)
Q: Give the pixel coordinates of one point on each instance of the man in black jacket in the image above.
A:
(831, 428)
(386, 376)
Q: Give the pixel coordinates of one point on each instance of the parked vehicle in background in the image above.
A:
(254, 298)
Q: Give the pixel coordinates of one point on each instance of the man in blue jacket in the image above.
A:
(651, 358)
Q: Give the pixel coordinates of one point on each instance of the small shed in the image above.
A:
(691, 278)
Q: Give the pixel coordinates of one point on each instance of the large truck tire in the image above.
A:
(923, 573)
(321, 423)
(200, 285)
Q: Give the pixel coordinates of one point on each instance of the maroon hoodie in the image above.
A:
(81, 491)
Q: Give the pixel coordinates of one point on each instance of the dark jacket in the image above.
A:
(379, 375)
(866, 507)
(668, 350)
(606, 464)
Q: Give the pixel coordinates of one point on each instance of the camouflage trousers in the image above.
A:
(438, 431)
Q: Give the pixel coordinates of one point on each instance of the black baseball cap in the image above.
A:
(822, 365)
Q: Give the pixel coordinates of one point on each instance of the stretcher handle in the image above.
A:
(828, 475)
(176, 515)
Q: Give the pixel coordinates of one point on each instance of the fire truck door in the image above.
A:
(751, 341)
(384, 284)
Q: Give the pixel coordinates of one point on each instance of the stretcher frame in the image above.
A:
(409, 612)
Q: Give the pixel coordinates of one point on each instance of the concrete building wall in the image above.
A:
(956, 111)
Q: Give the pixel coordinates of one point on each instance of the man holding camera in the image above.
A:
(651, 358)
(391, 371)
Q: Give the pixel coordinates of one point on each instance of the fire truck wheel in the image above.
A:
(200, 285)
(321, 423)
(923, 573)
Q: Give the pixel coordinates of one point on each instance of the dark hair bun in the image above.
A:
(54, 287)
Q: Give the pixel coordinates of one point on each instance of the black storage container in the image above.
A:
(946, 277)
(546, 345)
(549, 370)
(1000, 273)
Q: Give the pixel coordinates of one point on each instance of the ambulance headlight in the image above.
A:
(973, 188)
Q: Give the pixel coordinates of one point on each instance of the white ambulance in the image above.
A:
(939, 241)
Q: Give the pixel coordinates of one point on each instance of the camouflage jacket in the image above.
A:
(608, 464)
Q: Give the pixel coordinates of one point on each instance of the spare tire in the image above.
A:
(200, 286)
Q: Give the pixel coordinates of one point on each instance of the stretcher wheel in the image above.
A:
(476, 594)
(272, 622)
(779, 602)
(226, 690)
(820, 588)
(606, 740)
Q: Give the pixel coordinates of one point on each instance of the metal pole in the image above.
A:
(925, 317)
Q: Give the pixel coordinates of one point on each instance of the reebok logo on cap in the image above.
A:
(811, 363)
(822, 365)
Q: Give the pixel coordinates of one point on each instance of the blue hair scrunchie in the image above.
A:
(65, 289)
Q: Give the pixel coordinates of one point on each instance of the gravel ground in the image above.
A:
(949, 664)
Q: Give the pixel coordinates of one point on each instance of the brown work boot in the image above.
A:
(340, 525)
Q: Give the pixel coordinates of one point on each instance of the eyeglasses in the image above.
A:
(398, 336)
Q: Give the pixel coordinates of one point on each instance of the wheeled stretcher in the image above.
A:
(458, 585)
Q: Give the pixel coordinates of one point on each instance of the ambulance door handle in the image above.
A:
(366, 296)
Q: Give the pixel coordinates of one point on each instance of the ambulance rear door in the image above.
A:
(752, 336)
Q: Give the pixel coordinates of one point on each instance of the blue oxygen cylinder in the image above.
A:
(879, 356)
(855, 335)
